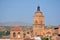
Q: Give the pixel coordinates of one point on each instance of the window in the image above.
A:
(18, 34)
(36, 22)
(27, 32)
(14, 34)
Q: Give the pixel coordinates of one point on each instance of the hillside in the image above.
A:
(14, 24)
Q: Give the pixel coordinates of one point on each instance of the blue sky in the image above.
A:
(23, 11)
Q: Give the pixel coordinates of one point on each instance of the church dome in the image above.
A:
(16, 28)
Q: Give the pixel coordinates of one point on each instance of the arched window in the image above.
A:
(27, 32)
(24, 35)
(36, 22)
(18, 34)
(14, 34)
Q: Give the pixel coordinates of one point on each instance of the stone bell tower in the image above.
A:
(38, 23)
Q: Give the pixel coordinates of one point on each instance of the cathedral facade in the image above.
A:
(38, 28)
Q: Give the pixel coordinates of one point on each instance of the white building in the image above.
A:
(37, 38)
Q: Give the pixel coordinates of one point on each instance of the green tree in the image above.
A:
(45, 39)
(1, 33)
(7, 33)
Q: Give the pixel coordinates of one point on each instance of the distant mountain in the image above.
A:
(15, 24)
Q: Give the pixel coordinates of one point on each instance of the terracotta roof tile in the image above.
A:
(16, 28)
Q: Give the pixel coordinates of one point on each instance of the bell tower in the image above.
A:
(38, 23)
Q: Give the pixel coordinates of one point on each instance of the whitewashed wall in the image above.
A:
(37, 38)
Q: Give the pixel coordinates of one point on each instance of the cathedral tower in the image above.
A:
(38, 23)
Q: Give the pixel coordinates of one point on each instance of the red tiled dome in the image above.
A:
(16, 28)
